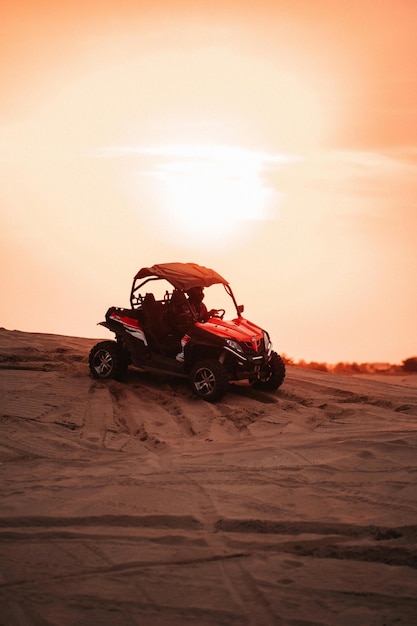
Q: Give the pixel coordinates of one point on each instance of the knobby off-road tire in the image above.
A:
(274, 374)
(209, 380)
(107, 360)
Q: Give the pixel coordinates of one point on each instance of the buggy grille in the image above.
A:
(255, 345)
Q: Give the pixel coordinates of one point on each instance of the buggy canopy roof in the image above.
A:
(183, 275)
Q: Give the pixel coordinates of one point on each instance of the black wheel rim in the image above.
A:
(103, 363)
(268, 374)
(204, 381)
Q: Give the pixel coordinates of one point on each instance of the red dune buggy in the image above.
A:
(166, 331)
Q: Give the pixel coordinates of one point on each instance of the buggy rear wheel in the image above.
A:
(107, 360)
(209, 380)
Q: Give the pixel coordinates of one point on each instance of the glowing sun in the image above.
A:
(209, 192)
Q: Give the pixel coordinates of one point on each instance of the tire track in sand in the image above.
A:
(240, 584)
(113, 421)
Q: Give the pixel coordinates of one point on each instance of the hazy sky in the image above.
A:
(273, 141)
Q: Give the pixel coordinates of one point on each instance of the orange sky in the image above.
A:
(273, 141)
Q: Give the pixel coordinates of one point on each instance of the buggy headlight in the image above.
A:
(267, 342)
(234, 345)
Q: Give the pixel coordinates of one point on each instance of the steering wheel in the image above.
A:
(218, 313)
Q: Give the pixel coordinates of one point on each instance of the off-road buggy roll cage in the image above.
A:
(182, 276)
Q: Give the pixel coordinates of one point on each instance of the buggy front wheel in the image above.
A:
(209, 380)
(273, 375)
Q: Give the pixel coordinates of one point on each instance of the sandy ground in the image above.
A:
(137, 504)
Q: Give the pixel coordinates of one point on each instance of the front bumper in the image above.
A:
(243, 366)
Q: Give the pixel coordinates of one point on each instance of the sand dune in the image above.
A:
(136, 503)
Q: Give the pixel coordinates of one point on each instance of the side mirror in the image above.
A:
(240, 308)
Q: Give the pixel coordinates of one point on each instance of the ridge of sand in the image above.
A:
(136, 503)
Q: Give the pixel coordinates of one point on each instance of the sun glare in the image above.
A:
(209, 192)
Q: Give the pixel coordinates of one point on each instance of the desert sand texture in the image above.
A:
(137, 504)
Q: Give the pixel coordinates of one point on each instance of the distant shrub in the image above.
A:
(352, 369)
(410, 365)
(341, 368)
(321, 367)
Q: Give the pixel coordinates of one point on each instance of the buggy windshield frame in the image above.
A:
(183, 276)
